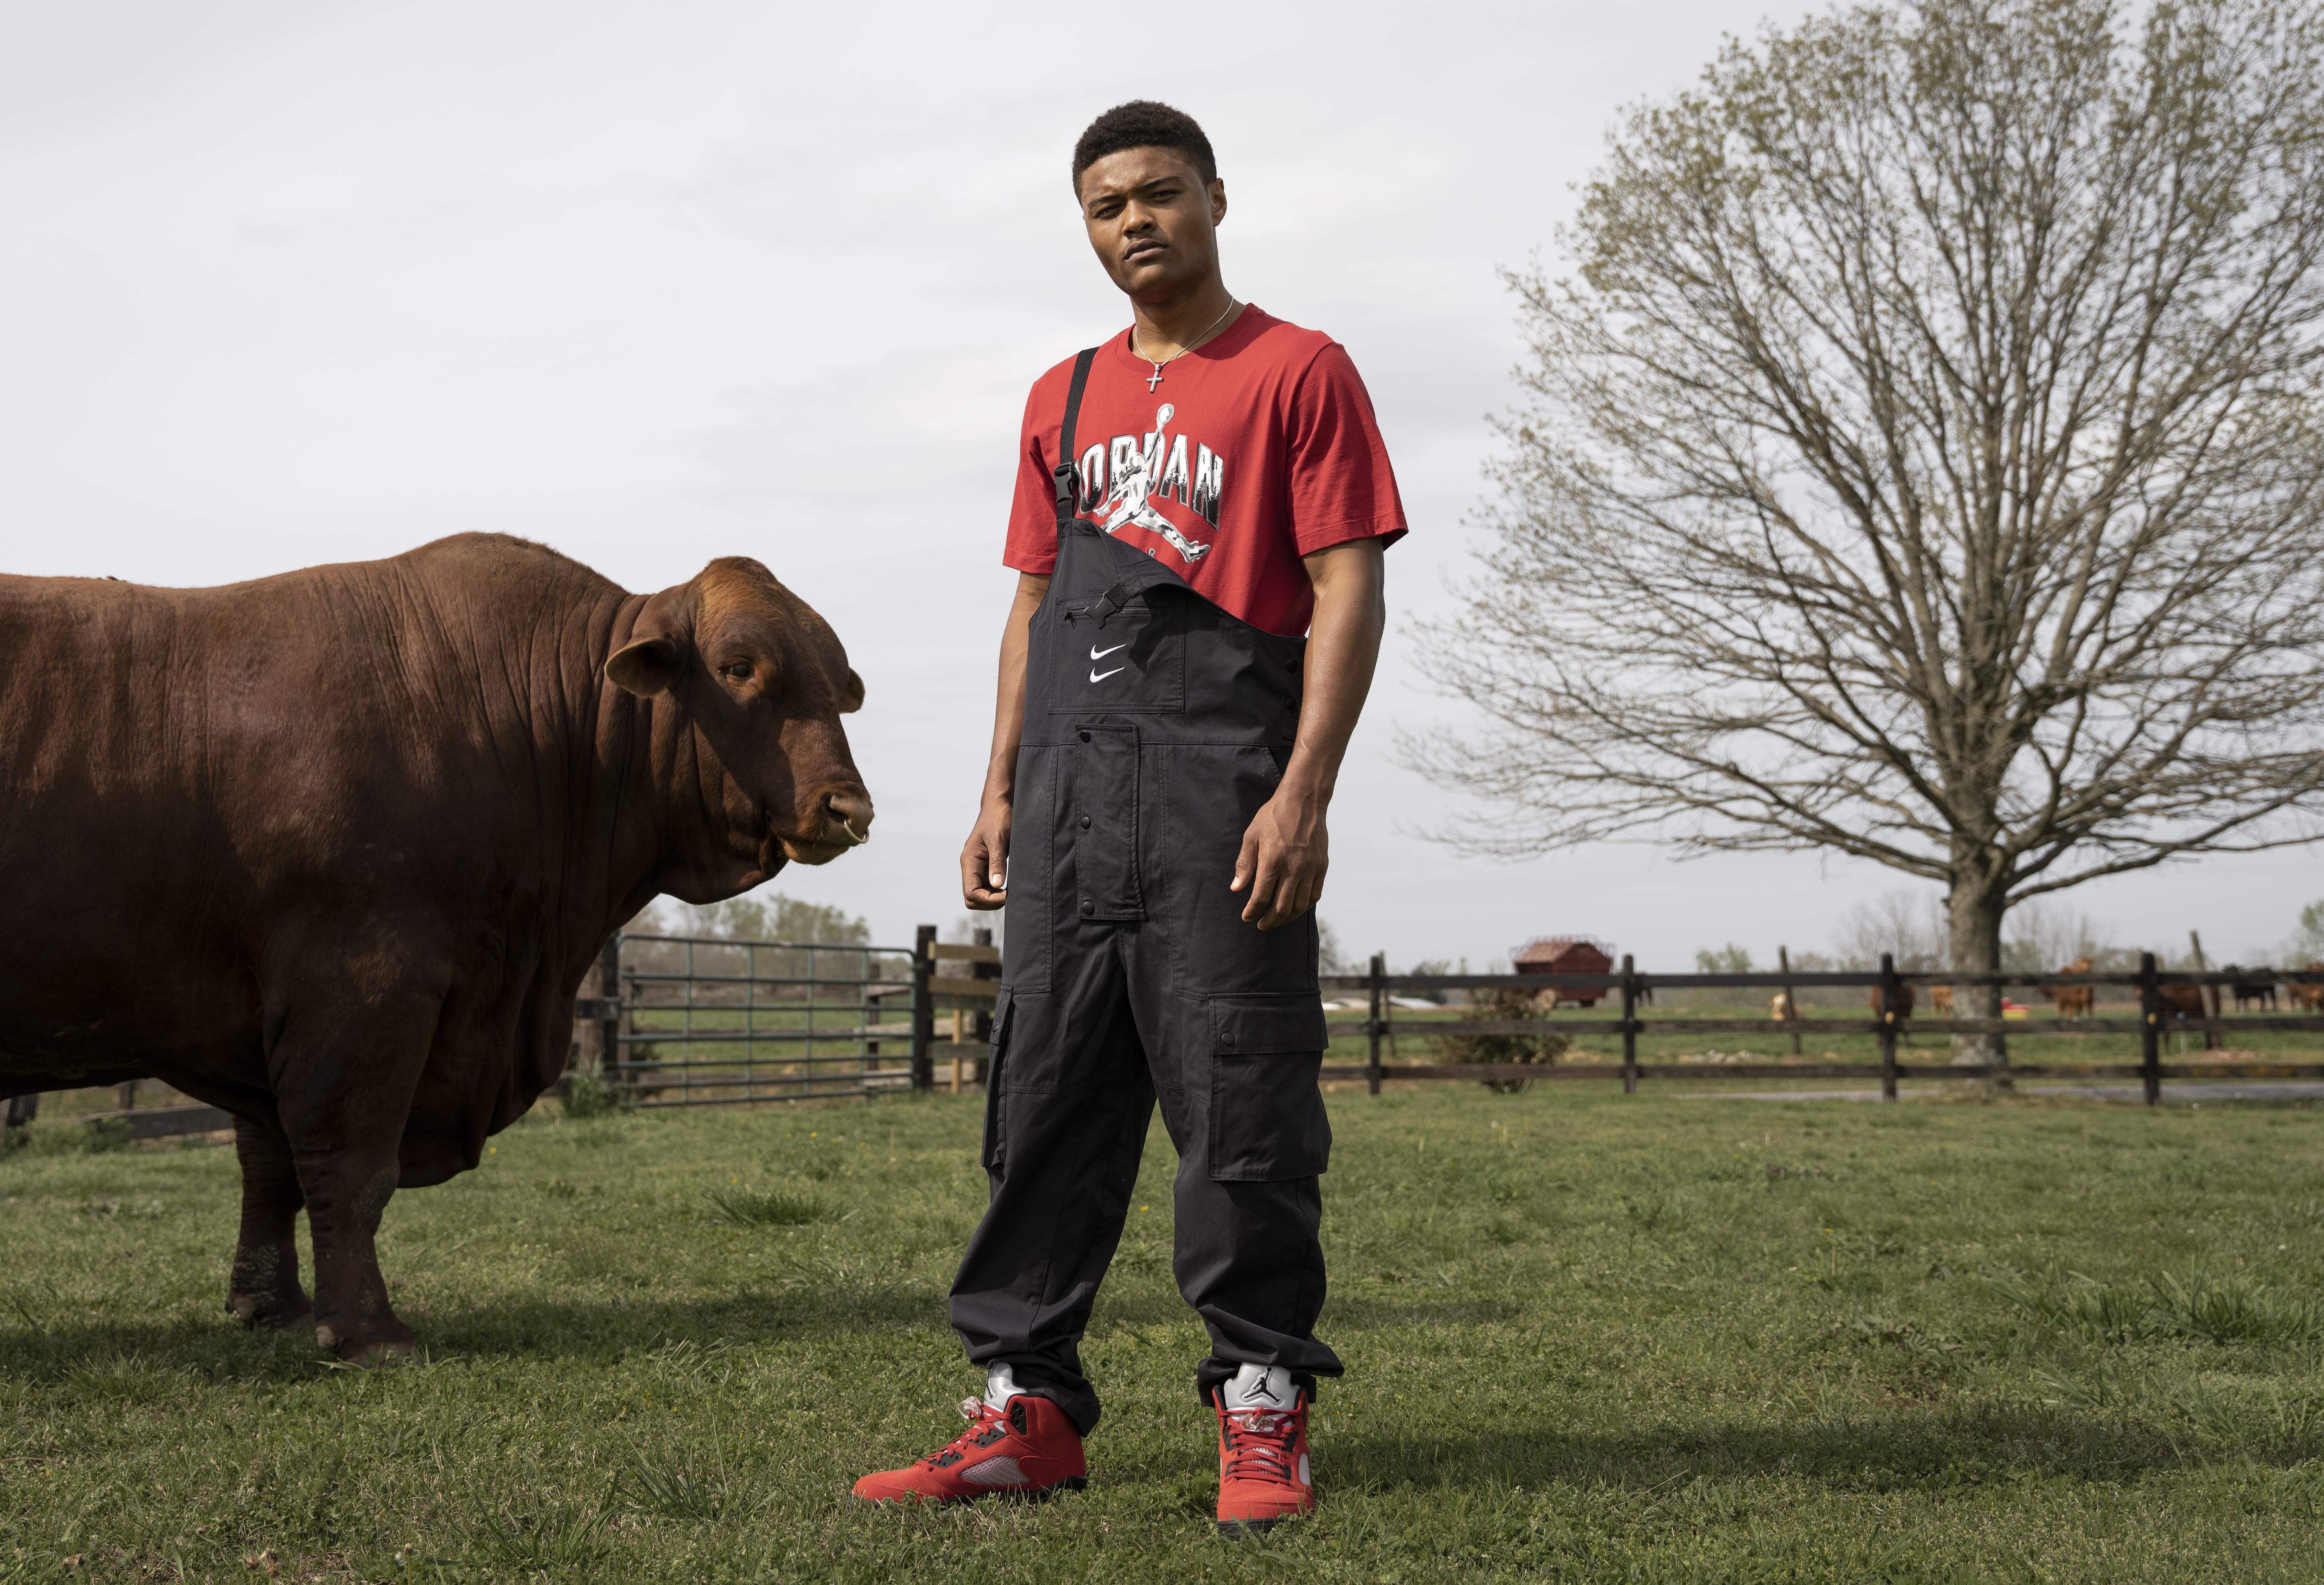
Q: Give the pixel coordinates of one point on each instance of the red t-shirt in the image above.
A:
(1256, 449)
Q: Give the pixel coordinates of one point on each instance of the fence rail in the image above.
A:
(704, 1021)
(1892, 1008)
(711, 1020)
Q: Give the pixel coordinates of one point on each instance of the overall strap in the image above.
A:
(1068, 469)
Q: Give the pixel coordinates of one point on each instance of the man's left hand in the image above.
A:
(1285, 853)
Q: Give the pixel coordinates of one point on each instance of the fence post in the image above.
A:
(1629, 1027)
(1790, 1001)
(923, 1009)
(1890, 996)
(1379, 1016)
(609, 1022)
(2209, 995)
(2150, 1034)
(983, 1020)
(23, 1108)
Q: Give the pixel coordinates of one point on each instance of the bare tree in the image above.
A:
(1922, 461)
(1908, 927)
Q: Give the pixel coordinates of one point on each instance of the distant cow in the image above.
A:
(2310, 997)
(1780, 1008)
(332, 850)
(1904, 1002)
(2251, 992)
(2074, 1001)
(1941, 1001)
(2183, 1002)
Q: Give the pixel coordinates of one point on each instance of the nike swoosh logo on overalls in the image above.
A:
(1098, 654)
(1097, 676)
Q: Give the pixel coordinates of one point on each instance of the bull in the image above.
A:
(2251, 991)
(332, 850)
(2308, 995)
(2074, 1001)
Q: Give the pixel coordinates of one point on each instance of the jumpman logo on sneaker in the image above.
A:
(1264, 1389)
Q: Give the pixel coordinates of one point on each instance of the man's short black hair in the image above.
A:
(1143, 124)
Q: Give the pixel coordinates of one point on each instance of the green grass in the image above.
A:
(1661, 1340)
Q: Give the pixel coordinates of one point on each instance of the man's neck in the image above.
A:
(1162, 330)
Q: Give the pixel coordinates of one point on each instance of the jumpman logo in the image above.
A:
(1265, 1388)
(1134, 485)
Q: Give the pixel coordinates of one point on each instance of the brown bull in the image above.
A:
(2309, 998)
(332, 850)
(2074, 1001)
(2182, 1001)
(1904, 1003)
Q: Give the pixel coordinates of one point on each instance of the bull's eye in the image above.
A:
(738, 672)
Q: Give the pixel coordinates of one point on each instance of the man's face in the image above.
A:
(1152, 220)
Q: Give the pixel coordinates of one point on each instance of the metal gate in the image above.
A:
(700, 1020)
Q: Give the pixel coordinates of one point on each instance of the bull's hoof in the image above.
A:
(270, 1311)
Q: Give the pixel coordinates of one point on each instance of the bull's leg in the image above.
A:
(263, 1289)
(347, 1195)
(344, 1066)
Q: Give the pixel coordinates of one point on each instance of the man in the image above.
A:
(1192, 497)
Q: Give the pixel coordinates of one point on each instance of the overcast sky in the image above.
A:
(290, 283)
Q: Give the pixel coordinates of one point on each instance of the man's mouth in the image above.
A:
(1138, 252)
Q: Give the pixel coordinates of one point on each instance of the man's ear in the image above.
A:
(851, 697)
(650, 662)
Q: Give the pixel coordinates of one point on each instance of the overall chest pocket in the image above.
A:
(1133, 659)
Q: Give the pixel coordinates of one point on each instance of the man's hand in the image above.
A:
(985, 861)
(1285, 853)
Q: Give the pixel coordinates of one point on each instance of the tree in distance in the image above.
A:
(1924, 462)
(757, 917)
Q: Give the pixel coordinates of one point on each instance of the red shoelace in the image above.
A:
(1258, 1445)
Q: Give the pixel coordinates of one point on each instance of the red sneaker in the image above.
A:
(1262, 1451)
(1030, 1449)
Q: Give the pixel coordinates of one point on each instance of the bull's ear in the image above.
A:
(645, 667)
(851, 697)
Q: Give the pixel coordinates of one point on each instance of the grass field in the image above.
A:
(1661, 1340)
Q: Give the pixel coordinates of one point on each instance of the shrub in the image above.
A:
(1493, 1004)
(586, 1096)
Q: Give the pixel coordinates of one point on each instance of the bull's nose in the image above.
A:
(852, 811)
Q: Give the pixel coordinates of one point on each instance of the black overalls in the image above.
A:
(1155, 725)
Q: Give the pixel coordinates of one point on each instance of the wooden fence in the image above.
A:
(2155, 1020)
(953, 987)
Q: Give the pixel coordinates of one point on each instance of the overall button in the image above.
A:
(1085, 737)
(1084, 823)
(1088, 907)
(1226, 1037)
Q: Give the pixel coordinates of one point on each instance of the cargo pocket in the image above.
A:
(995, 1077)
(1267, 1121)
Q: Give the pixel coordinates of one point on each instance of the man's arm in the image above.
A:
(985, 861)
(1287, 849)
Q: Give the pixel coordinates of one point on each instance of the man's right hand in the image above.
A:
(985, 861)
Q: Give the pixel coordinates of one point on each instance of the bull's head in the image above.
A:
(759, 682)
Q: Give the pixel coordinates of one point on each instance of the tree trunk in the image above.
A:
(1974, 917)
